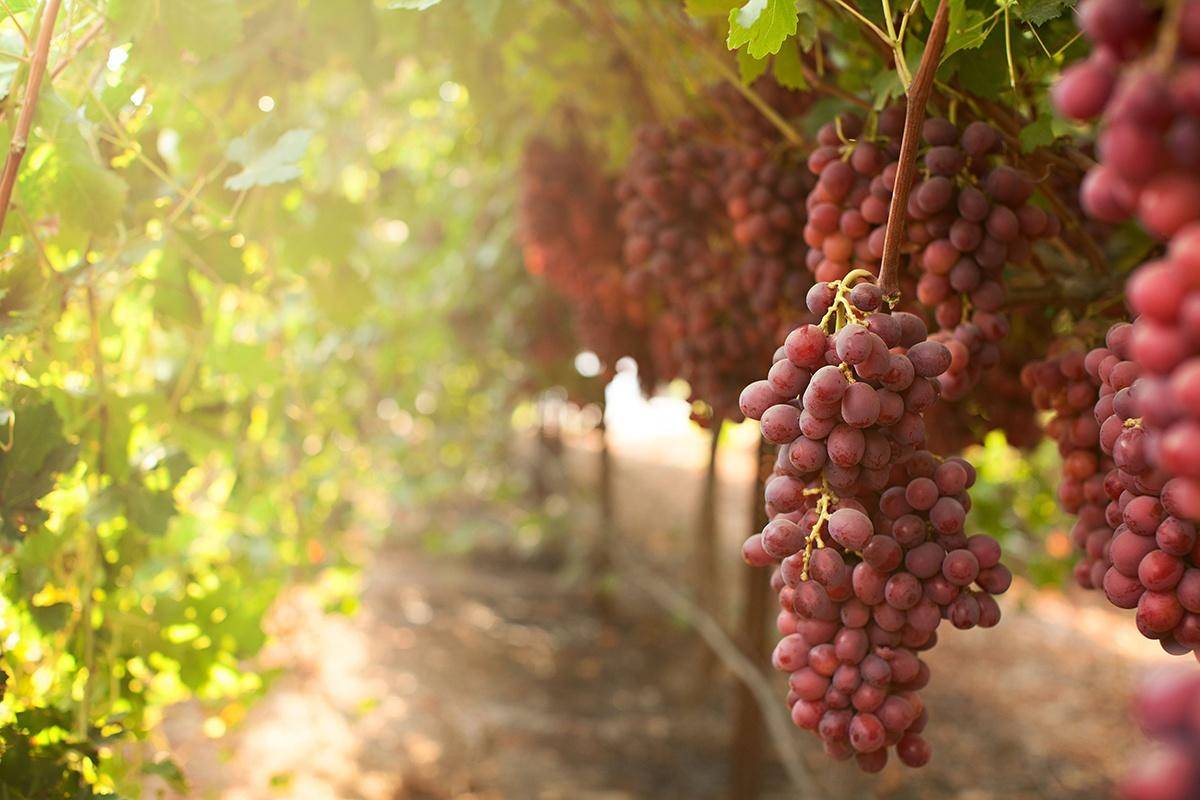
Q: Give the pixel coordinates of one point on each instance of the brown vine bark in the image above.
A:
(914, 115)
(20, 140)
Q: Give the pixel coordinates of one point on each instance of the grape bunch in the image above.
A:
(849, 203)
(867, 527)
(569, 237)
(1142, 80)
(1167, 708)
(1062, 385)
(678, 245)
(1153, 553)
(969, 218)
(764, 199)
(1166, 344)
(998, 402)
(669, 205)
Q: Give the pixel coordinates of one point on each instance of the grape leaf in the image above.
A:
(412, 5)
(264, 165)
(886, 87)
(1037, 134)
(968, 29)
(984, 69)
(1038, 12)
(749, 67)
(12, 49)
(65, 180)
(762, 26)
(806, 27)
(23, 295)
(28, 470)
(204, 28)
(789, 70)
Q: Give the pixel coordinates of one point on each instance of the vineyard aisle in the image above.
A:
(490, 679)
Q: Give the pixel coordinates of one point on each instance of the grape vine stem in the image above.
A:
(914, 115)
(20, 140)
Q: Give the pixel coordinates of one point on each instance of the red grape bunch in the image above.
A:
(764, 199)
(569, 237)
(680, 252)
(1061, 384)
(855, 172)
(1153, 553)
(1167, 708)
(1166, 344)
(969, 218)
(867, 528)
(1142, 80)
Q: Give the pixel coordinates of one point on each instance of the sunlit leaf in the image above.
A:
(762, 26)
(266, 164)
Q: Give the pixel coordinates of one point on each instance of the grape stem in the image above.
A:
(841, 311)
(918, 97)
(20, 140)
(825, 499)
(1168, 37)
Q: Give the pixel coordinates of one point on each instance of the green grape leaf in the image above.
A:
(413, 5)
(1039, 12)
(886, 87)
(174, 300)
(24, 295)
(266, 164)
(1038, 133)
(762, 26)
(203, 28)
(12, 50)
(64, 179)
(968, 29)
(148, 509)
(29, 468)
(806, 25)
(750, 68)
(984, 69)
(52, 617)
(789, 70)
(218, 257)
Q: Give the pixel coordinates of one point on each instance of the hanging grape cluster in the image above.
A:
(855, 169)
(1143, 82)
(1167, 709)
(867, 527)
(569, 237)
(1062, 385)
(763, 196)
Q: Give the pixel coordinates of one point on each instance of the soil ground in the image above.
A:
(489, 677)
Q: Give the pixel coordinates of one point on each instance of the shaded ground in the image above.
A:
(493, 679)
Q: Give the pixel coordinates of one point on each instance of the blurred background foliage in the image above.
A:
(261, 305)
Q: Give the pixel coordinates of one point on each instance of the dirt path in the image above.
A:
(493, 679)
